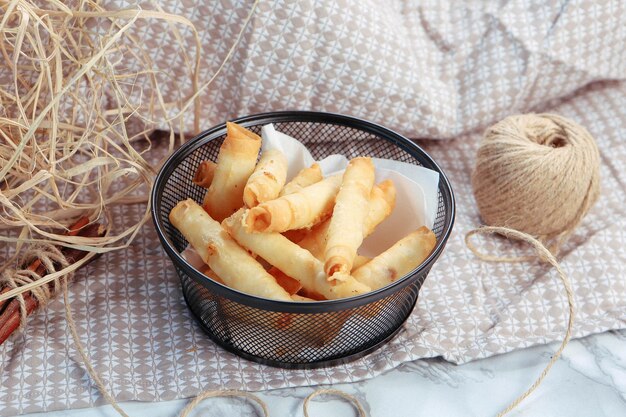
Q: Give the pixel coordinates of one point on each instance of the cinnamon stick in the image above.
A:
(4, 302)
(36, 264)
(12, 314)
(10, 317)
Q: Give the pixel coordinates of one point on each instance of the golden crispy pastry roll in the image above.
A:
(302, 209)
(359, 261)
(301, 298)
(290, 285)
(267, 179)
(206, 270)
(381, 203)
(291, 259)
(204, 174)
(311, 294)
(345, 231)
(296, 235)
(304, 178)
(235, 163)
(400, 259)
(222, 254)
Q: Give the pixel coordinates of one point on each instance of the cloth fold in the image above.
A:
(428, 69)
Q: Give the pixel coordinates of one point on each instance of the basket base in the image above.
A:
(294, 365)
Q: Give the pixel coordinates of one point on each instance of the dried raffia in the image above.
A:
(79, 98)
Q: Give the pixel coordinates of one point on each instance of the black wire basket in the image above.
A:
(296, 334)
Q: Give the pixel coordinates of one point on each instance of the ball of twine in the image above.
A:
(536, 176)
(537, 173)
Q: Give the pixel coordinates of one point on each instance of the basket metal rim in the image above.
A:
(299, 116)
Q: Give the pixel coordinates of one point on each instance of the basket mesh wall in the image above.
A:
(258, 329)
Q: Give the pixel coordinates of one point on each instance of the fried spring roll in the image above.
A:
(267, 179)
(304, 178)
(301, 298)
(296, 235)
(235, 163)
(345, 231)
(290, 285)
(312, 295)
(381, 204)
(400, 259)
(302, 209)
(194, 258)
(359, 261)
(225, 257)
(206, 270)
(291, 259)
(204, 174)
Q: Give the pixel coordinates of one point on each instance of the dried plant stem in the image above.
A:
(72, 80)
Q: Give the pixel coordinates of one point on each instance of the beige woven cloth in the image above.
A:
(431, 68)
(433, 71)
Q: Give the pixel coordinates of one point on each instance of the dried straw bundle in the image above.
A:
(72, 77)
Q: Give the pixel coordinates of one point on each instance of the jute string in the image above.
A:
(50, 257)
(545, 255)
(536, 177)
(537, 173)
(327, 391)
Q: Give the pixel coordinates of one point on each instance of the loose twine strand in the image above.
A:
(547, 256)
(49, 256)
(536, 176)
(327, 391)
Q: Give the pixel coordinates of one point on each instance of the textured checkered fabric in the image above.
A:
(431, 70)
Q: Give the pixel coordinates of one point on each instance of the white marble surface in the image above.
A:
(589, 380)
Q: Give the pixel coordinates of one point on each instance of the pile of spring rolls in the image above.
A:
(295, 241)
